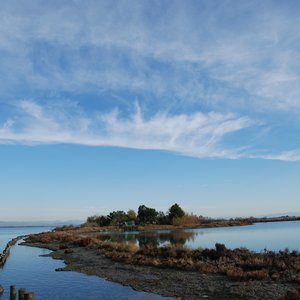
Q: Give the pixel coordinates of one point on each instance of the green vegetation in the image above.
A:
(175, 211)
(146, 215)
(148, 218)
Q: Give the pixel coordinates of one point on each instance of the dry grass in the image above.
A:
(187, 219)
(63, 238)
(239, 275)
(238, 264)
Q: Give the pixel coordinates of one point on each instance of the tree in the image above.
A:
(147, 214)
(103, 221)
(92, 219)
(117, 217)
(99, 220)
(175, 211)
(163, 219)
(131, 215)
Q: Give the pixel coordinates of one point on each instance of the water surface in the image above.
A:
(272, 236)
(26, 268)
(8, 233)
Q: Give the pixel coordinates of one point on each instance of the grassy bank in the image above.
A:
(187, 222)
(152, 227)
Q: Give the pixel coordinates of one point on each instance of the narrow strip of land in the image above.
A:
(5, 253)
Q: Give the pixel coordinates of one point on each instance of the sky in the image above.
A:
(107, 105)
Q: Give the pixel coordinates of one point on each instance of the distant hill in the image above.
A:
(39, 223)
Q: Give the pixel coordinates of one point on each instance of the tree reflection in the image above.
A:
(156, 238)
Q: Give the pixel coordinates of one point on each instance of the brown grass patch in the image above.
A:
(187, 219)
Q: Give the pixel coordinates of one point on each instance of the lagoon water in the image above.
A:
(257, 237)
(27, 269)
(8, 233)
(271, 236)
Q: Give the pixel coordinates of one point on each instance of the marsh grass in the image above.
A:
(239, 264)
(187, 219)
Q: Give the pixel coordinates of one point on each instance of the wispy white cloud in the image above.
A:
(220, 54)
(196, 134)
(293, 155)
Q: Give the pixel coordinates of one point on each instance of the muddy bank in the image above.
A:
(164, 281)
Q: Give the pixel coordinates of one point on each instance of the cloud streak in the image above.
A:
(292, 156)
(196, 134)
(219, 54)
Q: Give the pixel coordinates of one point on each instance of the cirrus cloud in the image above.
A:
(197, 134)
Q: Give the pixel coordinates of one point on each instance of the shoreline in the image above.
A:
(212, 224)
(149, 227)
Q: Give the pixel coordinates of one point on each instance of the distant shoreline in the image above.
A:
(26, 226)
(211, 223)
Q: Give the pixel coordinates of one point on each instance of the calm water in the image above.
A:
(8, 233)
(27, 269)
(272, 236)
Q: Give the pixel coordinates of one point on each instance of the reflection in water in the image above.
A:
(272, 236)
(156, 238)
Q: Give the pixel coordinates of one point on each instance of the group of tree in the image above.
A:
(145, 215)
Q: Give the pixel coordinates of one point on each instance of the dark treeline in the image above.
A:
(174, 216)
(144, 215)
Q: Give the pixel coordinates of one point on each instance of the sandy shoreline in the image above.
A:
(170, 282)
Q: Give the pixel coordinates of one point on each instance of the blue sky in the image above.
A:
(107, 105)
